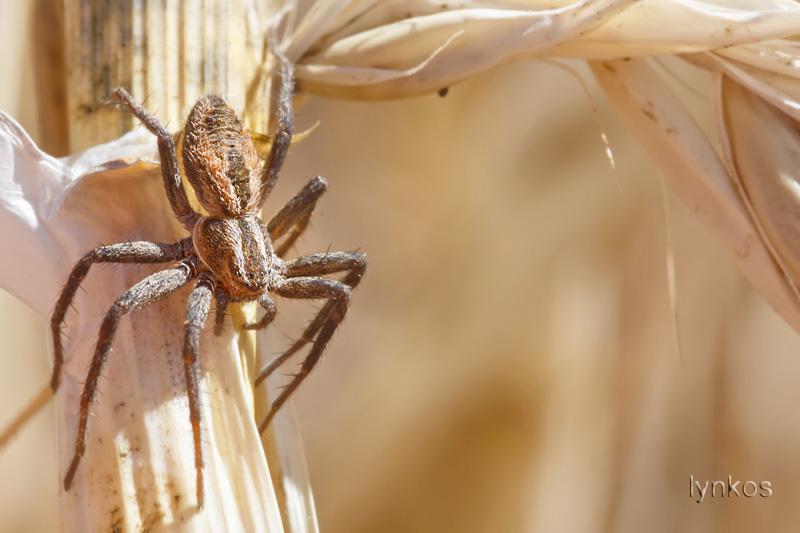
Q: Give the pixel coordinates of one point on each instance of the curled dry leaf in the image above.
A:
(689, 162)
(379, 50)
(762, 144)
(391, 49)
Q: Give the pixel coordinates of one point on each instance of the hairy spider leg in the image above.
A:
(196, 314)
(147, 291)
(300, 285)
(310, 289)
(170, 170)
(296, 213)
(283, 136)
(129, 252)
(355, 264)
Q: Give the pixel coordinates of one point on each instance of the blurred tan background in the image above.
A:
(511, 360)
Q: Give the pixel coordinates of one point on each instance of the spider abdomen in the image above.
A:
(239, 253)
(220, 160)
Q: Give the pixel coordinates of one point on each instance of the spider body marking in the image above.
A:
(229, 255)
(239, 253)
(220, 160)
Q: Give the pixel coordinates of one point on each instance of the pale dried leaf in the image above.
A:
(688, 160)
(763, 146)
(138, 470)
(393, 49)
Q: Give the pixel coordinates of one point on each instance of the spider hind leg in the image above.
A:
(301, 285)
(150, 289)
(196, 314)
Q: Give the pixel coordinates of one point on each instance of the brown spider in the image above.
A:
(229, 254)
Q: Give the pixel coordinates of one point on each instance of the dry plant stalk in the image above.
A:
(134, 474)
(367, 50)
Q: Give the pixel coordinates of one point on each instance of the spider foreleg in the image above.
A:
(196, 314)
(354, 264)
(271, 310)
(169, 159)
(146, 291)
(129, 252)
(297, 212)
(311, 289)
(283, 136)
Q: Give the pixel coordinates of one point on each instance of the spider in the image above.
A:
(229, 255)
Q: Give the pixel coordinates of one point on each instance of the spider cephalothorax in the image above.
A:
(229, 254)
